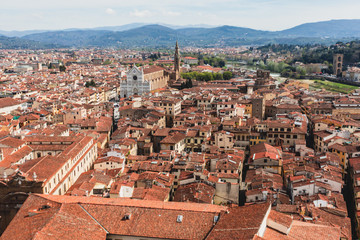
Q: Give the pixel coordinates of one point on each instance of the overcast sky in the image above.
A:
(258, 14)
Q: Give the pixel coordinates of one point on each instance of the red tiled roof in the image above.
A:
(152, 69)
(12, 142)
(304, 230)
(6, 102)
(239, 223)
(69, 217)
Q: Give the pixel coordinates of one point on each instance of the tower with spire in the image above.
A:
(177, 62)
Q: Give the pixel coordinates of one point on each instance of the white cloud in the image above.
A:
(144, 13)
(110, 11)
(37, 15)
(171, 13)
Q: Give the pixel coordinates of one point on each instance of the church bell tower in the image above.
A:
(177, 62)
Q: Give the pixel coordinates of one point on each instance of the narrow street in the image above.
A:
(348, 196)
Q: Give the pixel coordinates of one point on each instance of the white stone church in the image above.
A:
(143, 80)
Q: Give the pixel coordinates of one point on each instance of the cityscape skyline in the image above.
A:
(202, 120)
(252, 14)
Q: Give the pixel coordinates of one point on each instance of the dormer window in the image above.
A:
(127, 216)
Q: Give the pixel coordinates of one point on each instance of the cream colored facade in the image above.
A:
(75, 165)
(178, 147)
(224, 140)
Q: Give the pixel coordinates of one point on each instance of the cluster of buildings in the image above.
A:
(133, 158)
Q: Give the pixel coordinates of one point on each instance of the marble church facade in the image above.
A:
(143, 80)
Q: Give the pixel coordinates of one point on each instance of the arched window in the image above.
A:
(135, 91)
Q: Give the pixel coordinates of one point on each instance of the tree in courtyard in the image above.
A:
(227, 75)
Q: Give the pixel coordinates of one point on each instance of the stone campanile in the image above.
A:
(338, 64)
(177, 61)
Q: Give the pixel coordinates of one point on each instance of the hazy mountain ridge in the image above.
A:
(333, 28)
(155, 35)
(19, 33)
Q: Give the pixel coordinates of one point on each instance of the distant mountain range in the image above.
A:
(106, 28)
(162, 35)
